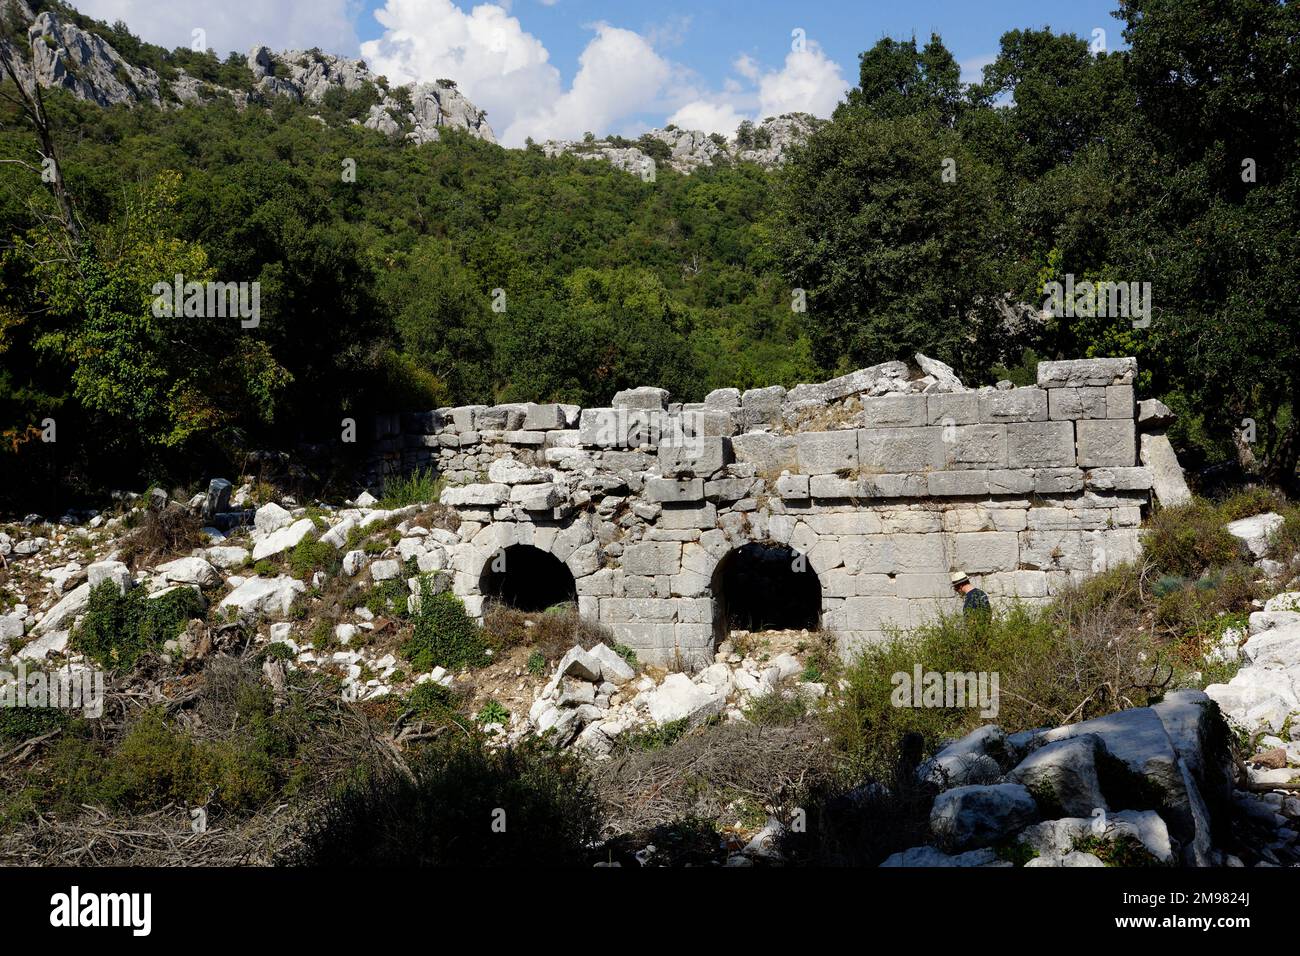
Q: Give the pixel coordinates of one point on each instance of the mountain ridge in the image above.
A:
(109, 66)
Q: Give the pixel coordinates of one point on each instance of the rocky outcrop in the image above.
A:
(63, 55)
(1152, 784)
(86, 65)
(767, 145)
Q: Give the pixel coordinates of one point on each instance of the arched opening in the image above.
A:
(527, 579)
(761, 587)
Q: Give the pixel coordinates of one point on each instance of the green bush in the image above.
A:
(117, 628)
(421, 487)
(23, 723)
(444, 634)
(1054, 663)
(311, 555)
(1189, 539)
(779, 708)
(468, 805)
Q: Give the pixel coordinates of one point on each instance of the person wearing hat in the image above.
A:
(976, 601)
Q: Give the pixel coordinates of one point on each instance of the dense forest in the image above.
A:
(927, 215)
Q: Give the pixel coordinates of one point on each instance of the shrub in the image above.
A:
(421, 487)
(311, 555)
(465, 804)
(432, 699)
(1054, 664)
(1189, 539)
(169, 532)
(782, 707)
(561, 627)
(23, 723)
(444, 633)
(388, 598)
(156, 764)
(117, 628)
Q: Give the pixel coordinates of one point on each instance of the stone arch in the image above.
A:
(761, 585)
(527, 578)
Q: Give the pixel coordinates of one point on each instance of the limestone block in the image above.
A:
(769, 454)
(1027, 404)
(656, 557)
(974, 446)
(1040, 444)
(1119, 401)
(962, 483)
(728, 489)
(952, 408)
(893, 486)
(825, 453)
(1167, 479)
(894, 410)
(1075, 403)
(674, 490)
(694, 457)
(643, 397)
(1049, 481)
(893, 450)
(1137, 478)
(1073, 373)
(792, 487)
(985, 551)
(683, 517)
(542, 417)
(1109, 442)
(875, 613)
(1017, 481)
(895, 553)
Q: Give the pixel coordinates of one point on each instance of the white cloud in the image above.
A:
(619, 74)
(497, 64)
(711, 117)
(972, 70)
(234, 24)
(507, 71)
(808, 82)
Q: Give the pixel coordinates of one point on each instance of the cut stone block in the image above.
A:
(1026, 404)
(1075, 403)
(943, 408)
(1040, 444)
(1073, 373)
(1108, 442)
(891, 450)
(895, 410)
(825, 453)
(674, 490)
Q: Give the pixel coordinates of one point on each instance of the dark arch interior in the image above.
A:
(761, 587)
(527, 578)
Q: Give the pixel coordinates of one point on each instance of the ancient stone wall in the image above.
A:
(881, 483)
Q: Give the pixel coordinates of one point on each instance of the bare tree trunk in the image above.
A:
(33, 108)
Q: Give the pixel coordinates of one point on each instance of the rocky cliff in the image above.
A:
(685, 151)
(64, 50)
(61, 54)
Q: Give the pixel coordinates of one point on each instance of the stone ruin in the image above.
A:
(842, 506)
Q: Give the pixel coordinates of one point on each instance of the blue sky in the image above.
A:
(557, 68)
